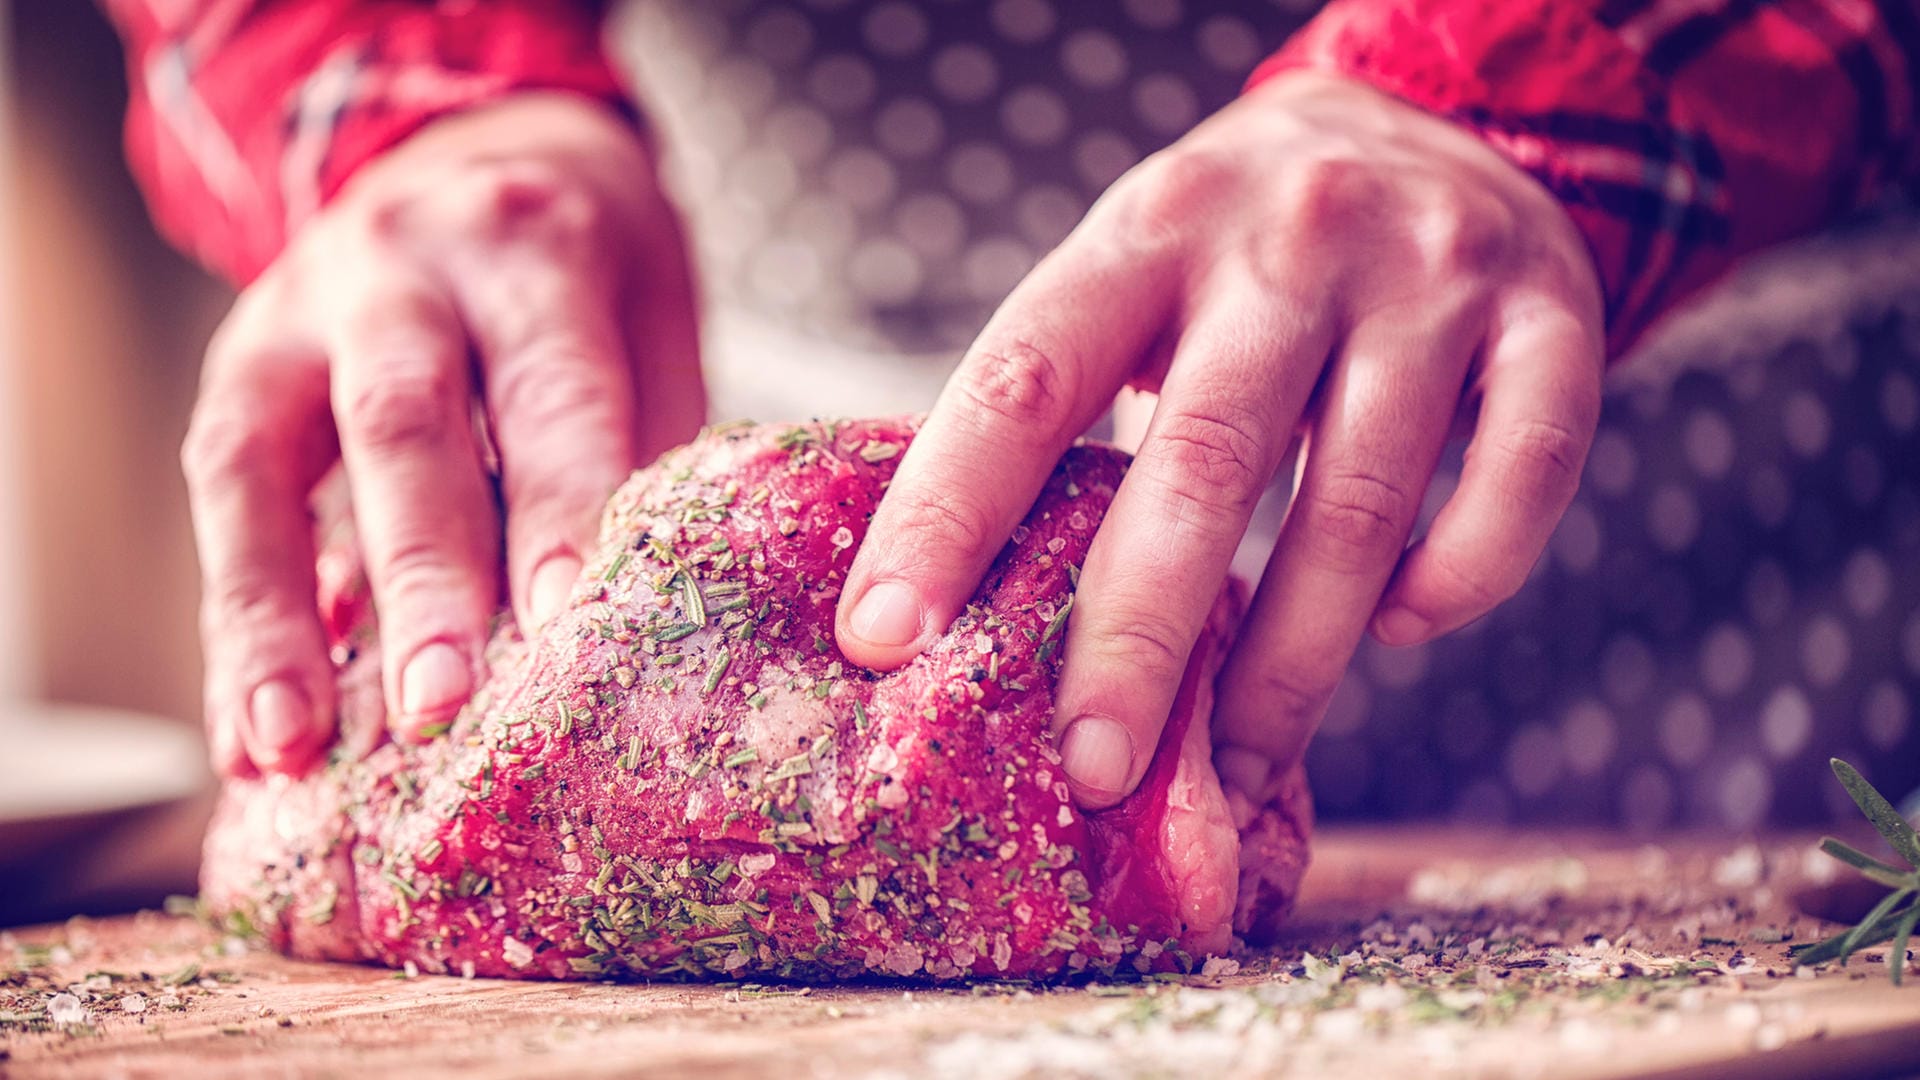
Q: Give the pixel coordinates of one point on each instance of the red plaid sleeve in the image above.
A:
(248, 115)
(1679, 134)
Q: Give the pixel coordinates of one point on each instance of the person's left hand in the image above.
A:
(1317, 261)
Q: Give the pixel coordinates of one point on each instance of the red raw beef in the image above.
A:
(681, 774)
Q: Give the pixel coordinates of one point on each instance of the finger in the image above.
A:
(1370, 453)
(1541, 403)
(259, 440)
(1043, 369)
(1240, 376)
(558, 390)
(402, 398)
(663, 339)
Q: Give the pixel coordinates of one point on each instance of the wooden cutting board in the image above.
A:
(1466, 953)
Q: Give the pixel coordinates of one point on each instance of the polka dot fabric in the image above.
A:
(1731, 599)
(880, 174)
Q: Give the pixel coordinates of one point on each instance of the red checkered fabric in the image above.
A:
(248, 115)
(1680, 134)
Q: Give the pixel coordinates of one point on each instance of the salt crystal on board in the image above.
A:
(66, 1009)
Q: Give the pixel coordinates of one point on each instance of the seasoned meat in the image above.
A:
(681, 773)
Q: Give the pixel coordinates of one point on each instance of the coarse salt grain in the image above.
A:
(66, 1009)
(516, 952)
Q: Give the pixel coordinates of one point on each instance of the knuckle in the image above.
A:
(1284, 691)
(1169, 189)
(1018, 382)
(555, 383)
(223, 443)
(1543, 458)
(414, 578)
(1325, 191)
(1357, 513)
(236, 605)
(929, 526)
(1461, 234)
(385, 220)
(1144, 640)
(1217, 455)
(531, 200)
(402, 408)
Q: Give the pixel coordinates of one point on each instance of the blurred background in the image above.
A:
(1733, 598)
(101, 326)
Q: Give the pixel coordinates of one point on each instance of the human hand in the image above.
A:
(517, 264)
(1320, 262)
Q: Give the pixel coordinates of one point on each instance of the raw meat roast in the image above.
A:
(681, 775)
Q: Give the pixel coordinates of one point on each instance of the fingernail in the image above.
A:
(889, 614)
(1098, 753)
(435, 680)
(550, 588)
(1398, 626)
(279, 716)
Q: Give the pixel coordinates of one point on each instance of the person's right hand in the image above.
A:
(519, 259)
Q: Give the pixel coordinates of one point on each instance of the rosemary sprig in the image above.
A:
(1888, 919)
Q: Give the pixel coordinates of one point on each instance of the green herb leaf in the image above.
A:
(1897, 830)
(1830, 949)
(691, 601)
(1873, 920)
(1902, 934)
(1875, 870)
(1887, 919)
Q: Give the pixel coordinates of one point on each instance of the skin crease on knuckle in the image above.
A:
(225, 444)
(1217, 455)
(403, 406)
(555, 388)
(946, 521)
(1288, 695)
(1142, 641)
(1356, 517)
(1019, 384)
(1539, 462)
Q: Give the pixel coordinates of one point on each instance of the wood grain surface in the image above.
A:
(1467, 953)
